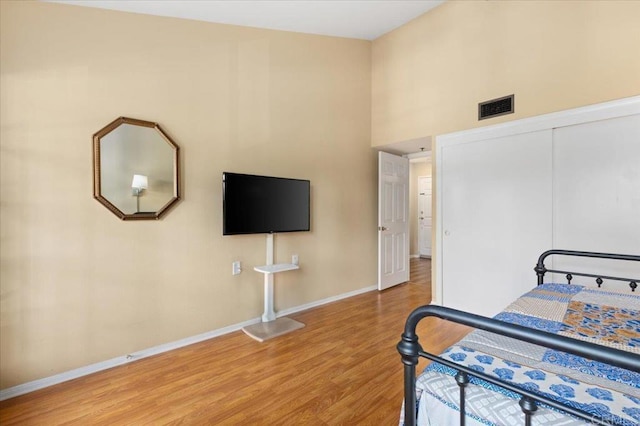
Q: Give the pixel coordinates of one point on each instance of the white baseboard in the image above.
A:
(325, 301)
(125, 359)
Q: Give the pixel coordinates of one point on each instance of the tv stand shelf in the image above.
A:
(278, 267)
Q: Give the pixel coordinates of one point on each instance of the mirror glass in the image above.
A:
(135, 169)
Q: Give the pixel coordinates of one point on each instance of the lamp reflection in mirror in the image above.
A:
(139, 183)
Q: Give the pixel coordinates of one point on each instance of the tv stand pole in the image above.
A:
(269, 312)
(271, 326)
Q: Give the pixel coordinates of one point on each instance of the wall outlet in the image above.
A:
(235, 268)
(294, 259)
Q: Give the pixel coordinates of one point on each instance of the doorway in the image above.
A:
(420, 205)
(424, 216)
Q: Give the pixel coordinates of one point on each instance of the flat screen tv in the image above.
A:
(263, 205)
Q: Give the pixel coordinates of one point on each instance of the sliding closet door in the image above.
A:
(496, 219)
(596, 185)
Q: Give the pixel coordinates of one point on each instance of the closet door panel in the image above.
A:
(596, 187)
(496, 214)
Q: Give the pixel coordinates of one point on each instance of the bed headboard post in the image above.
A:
(540, 268)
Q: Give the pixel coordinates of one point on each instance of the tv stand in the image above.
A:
(271, 326)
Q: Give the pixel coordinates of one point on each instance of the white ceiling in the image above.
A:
(411, 146)
(363, 19)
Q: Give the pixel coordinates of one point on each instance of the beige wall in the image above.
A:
(79, 286)
(416, 169)
(429, 75)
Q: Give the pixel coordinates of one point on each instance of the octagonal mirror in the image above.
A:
(135, 165)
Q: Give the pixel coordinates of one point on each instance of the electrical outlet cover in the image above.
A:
(235, 268)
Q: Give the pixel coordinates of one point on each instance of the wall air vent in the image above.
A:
(495, 107)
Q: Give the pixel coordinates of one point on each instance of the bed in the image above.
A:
(562, 354)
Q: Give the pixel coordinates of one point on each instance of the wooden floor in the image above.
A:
(342, 368)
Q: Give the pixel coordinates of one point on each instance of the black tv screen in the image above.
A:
(262, 204)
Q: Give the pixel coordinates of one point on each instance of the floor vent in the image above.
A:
(495, 107)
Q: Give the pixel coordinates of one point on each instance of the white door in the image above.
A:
(496, 219)
(393, 221)
(424, 215)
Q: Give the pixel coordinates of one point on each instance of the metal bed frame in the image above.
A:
(410, 350)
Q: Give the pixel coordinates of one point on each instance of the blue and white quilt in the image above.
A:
(611, 394)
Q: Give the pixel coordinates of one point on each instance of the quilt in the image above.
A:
(608, 393)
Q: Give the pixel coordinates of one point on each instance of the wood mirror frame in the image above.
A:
(127, 148)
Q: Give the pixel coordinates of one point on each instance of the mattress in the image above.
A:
(608, 393)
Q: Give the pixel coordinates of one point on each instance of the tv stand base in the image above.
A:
(268, 330)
